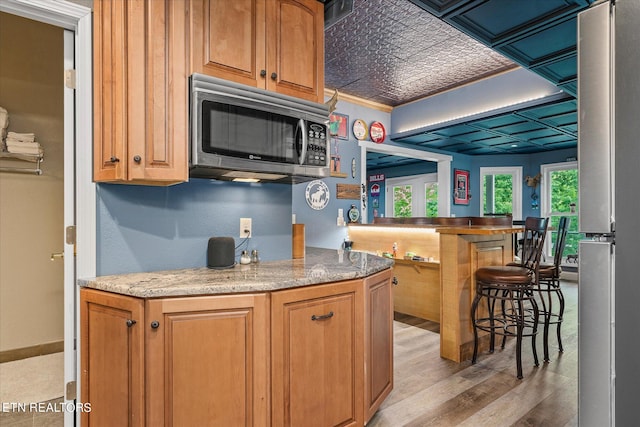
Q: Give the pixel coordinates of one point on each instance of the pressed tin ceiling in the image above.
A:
(396, 51)
(393, 52)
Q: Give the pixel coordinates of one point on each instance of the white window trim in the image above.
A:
(516, 173)
(545, 194)
(418, 204)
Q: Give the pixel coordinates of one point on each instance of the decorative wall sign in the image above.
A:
(338, 125)
(317, 194)
(377, 177)
(360, 129)
(375, 189)
(377, 132)
(353, 167)
(348, 191)
(354, 214)
(461, 189)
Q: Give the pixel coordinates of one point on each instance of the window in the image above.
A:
(412, 196)
(559, 197)
(501, 191)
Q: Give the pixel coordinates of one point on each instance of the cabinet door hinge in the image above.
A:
(71, 391)
(70, 78)
(71, 235)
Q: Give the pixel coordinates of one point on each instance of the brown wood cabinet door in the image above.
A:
(112, 359)
(109, 90)
(295, 48)
(158, 92)
(378, 340)
(207, 361)
(317, 356)
(227, 40)
(141, 91)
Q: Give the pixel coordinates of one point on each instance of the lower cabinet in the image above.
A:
(112, 359)
(207, 361)
(378, 341)
(319, 355)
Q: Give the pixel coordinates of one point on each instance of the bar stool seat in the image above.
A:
(498, 275)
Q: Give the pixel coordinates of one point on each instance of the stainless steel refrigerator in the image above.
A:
(609, 194)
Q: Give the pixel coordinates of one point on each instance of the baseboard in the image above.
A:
(35, 350)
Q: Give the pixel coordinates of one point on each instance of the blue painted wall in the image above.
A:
(530, 166)
(320, 226)
(144, 228)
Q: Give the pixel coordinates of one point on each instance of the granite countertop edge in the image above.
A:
(319, 266)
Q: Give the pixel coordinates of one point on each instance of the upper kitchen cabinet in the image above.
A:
(140, 105)
(276, 45)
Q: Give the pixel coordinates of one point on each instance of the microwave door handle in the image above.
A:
(303, 153)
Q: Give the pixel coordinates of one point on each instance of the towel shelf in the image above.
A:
(31, 158)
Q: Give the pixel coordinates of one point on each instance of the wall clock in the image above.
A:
(377, 132)
(360, 130)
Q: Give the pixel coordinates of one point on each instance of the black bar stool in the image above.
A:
(513, 288)
(549, 285)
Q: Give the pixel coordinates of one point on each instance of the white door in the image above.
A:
(412, 196)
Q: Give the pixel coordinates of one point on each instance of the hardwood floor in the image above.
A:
(431, 391)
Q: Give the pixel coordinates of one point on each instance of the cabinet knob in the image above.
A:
(323, 316)
(155, 324)
(114, 159)
(131, 322)
(274, 76)
(263, 73)
(394, 281)
(137, 159)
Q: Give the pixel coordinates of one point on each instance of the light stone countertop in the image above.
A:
(318, 266)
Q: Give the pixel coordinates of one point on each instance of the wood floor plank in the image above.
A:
(431, 391)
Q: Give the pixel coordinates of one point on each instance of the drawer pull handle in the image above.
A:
(322, 317)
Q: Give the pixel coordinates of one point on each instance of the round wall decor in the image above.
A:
(317, 194)
(360, 130)
(377, 132)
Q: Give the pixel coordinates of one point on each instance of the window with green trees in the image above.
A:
(498, 191)
(563, 191)
(431, 199)
(402, 201)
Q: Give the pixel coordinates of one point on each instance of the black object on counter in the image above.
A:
(221, 252)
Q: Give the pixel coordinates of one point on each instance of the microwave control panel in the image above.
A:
(317, 145)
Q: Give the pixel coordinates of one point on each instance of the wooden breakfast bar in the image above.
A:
(436, 279)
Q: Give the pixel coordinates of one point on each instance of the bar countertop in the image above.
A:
(319, 266)
(479, 229)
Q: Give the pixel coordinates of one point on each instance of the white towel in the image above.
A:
(17, 143)
(25, 150)
(26, 137)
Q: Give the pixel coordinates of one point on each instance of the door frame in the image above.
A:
(443, 171)
(79, 190)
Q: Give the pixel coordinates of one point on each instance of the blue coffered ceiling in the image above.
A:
(539, 35)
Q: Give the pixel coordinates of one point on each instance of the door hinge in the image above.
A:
(71, 391)
(70, 78)
(71, 235)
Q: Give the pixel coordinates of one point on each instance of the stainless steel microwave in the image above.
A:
(246, 134)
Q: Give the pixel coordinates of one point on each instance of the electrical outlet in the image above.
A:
(245, 227)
